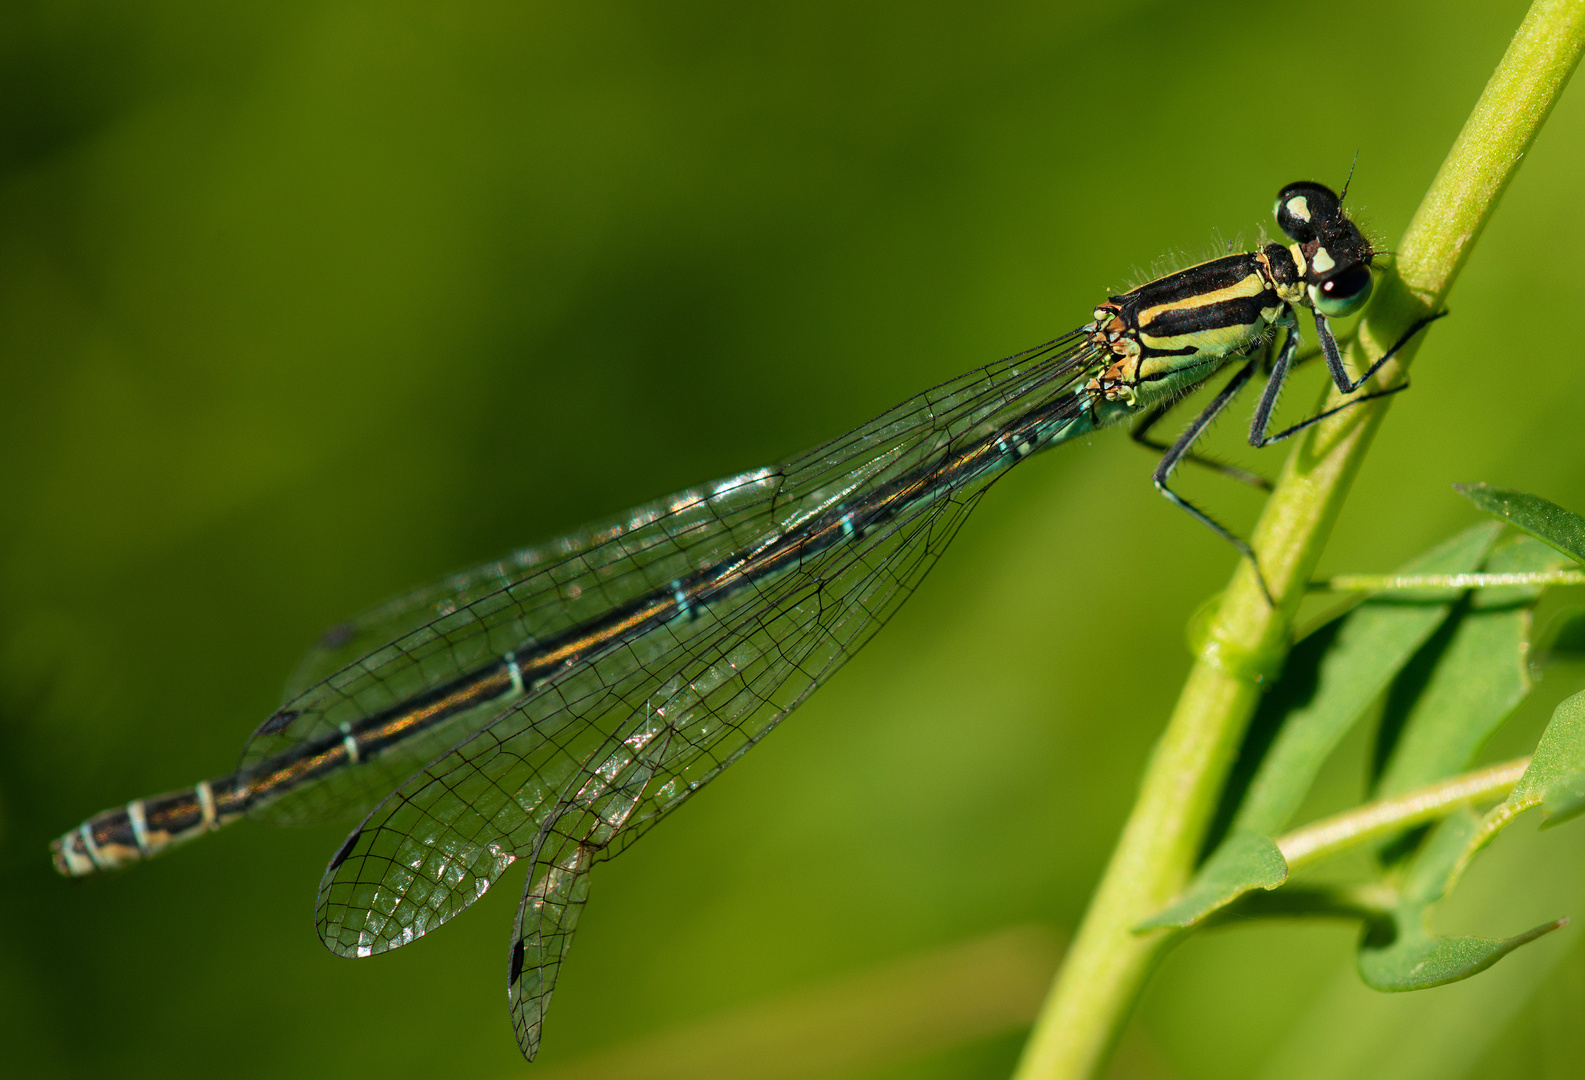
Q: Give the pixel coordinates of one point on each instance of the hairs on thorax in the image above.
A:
(1181, 258)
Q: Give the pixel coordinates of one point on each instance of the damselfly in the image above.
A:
(554, 705)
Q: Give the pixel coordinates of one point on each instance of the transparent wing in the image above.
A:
(734, 693)
(348, 642)
(432, 636)
(578, 769)
(575, 773)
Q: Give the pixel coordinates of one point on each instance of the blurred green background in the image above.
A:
(305, 303)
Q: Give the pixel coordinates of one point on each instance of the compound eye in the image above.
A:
(1344, 293)
(1304, 208)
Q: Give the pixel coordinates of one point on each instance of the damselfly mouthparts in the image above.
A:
(554, 705)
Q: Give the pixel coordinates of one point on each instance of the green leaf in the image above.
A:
(1541, 518)
(1565, 798)
(1400, 953)
(1466, 682)
(1554, 779)
(1556, 776)
(1333, 677)
(1243, 862)
(1392, 961)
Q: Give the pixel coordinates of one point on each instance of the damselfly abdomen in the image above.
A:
(554, 705)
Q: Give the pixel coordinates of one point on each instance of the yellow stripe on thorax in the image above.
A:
(1251, 285)
(1219, 342)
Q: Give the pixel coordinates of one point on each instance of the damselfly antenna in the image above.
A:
(1350, 180)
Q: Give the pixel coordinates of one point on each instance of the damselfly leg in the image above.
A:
(1140, 433)
(1182, 450)
(1268, 400)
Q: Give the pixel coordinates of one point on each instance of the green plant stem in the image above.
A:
(1389, 582)
(1243, 642)
(1388, 817)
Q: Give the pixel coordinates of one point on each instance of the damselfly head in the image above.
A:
(1333, 255)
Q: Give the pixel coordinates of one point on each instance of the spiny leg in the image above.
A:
(1180, 450)
(1274, 383)
(1289, 357)
(1140, 433)
(1334, 355)
(1334, 362)
(1315, 352)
